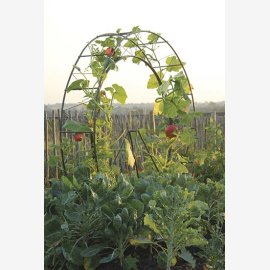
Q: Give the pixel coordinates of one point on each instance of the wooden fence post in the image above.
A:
(54, 141)
(47, 169)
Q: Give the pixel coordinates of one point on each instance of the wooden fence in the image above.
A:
(121, 122)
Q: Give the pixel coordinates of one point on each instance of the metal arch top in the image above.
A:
(140, 46)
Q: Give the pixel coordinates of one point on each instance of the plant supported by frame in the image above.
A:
(102, 55)
(170, 213)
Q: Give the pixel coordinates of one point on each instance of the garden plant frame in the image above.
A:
(141, 54)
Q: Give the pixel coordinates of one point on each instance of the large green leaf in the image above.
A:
(198, 208)
(188, 136)
(71, 215)
(173, 63)
(132, 42)
(120, 93)
(68, 197)
(110, 257)
(67, 182)
(153, 38)
(108, 42)
(75, 126)
(139, 54)
(78, 85)
(169, 108)
(187, 256)
(153, 82)
(163, 88)
(182, 168)
(92, 250)
(148, 221)
(136, 29)
(138, 205)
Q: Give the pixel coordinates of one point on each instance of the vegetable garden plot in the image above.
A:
(162, 205)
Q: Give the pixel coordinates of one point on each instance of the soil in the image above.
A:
(147, 262)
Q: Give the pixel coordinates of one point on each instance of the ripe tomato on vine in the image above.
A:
(78, 136)
(110, 52)
(169, 131)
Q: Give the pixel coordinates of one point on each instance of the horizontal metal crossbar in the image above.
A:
(61, 131)
(151, 43)
(168, 66)
(89, 55)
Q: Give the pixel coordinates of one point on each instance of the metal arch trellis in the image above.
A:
(151, 61)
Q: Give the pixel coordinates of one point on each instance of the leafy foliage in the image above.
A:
(172, 216)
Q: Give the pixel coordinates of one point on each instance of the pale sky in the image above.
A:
(195, 28)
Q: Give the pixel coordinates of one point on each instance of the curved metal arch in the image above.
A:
(125, 36)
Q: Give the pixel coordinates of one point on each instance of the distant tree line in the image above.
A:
(142, 108)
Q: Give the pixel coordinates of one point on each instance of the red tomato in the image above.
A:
(78, 136)
(169, 131)
(109, 51)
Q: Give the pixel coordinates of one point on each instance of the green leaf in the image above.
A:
(72, 254)
(139, 241)
(53, 161)
(183, 105)
(64, 226)
(139, 54)
(153, 82)
(188, 136)
(198, 208)
(75, 126)
(67, 182)
(130, 263)
(132, 42)
(78, 85)
(153, 38)
(82, 173)
(68, 197)
(182, 168)
(108, 42)
(148, 221)
(110, 257)
(173, 63)
(169, 108)
(187, 256)
(136, 29)
(163, 88)
(138, 205)
(73, 216)
(92, 250)
(117, 222)
(152, 204)
(119, 94)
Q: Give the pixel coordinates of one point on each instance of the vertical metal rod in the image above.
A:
(122, 143)
(60, 138)
(148, 150)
